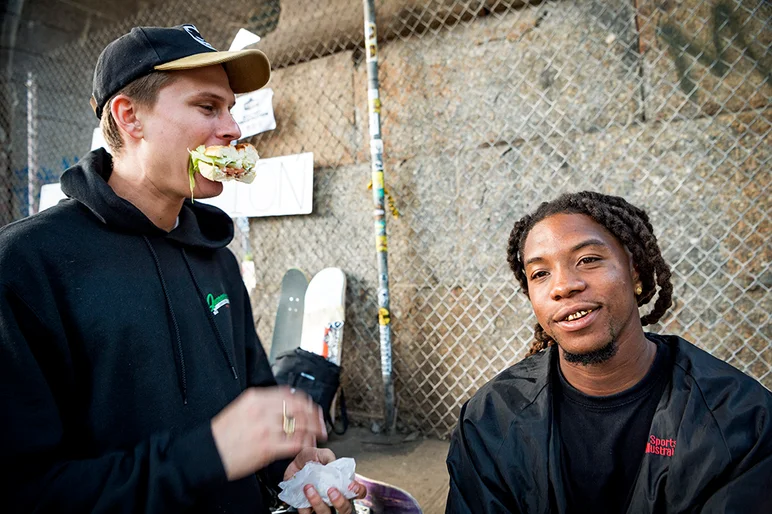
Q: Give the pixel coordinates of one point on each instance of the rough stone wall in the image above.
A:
(490, 108)
(486, 118)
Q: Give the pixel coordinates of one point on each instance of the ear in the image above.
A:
(633, 270)
(124, 111)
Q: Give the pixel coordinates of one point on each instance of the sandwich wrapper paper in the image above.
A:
(338, 473)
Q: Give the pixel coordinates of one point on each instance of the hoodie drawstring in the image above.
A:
(210, 316)
(181, 376)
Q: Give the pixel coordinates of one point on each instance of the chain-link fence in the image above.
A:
(488, 108)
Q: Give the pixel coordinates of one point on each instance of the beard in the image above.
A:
(592, 357)
(597, 356)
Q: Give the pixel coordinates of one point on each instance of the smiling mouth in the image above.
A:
(577, 315)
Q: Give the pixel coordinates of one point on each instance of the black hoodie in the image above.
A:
(118, 344)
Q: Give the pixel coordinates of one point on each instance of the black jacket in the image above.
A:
(712, 452)
(118, 343)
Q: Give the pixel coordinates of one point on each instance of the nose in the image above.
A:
(228, 129)
(565, 283)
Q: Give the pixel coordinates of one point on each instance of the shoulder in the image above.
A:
(736, 402)
(32, 238)
(514, 390)
(716, 380)
(43, 224)
(38, 251)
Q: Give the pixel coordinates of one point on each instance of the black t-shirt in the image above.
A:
(603, 438)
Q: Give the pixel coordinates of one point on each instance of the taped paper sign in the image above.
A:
(254, 112)
(283, 186)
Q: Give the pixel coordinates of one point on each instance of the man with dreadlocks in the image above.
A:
(600, 416)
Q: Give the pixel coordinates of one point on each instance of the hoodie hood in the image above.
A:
(201, 225)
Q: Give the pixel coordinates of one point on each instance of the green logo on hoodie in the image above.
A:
(215, 303)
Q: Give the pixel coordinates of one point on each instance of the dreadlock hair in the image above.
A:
(629, 224)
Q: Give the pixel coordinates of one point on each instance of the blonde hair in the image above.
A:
(144, 91)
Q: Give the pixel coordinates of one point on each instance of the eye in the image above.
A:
(207, 107)
(538, 274)
(588, 260)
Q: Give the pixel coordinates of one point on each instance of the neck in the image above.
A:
(633, 359)
(133, 185)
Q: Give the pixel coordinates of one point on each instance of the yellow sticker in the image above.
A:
(375, 105)
(382, 244)
(371, 32)
(378, 179)
(383, 316)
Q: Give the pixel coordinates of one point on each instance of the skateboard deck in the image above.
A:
(289, 316)
(383, 498)
(324, 314)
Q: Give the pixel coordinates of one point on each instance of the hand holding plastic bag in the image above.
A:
(338, 474)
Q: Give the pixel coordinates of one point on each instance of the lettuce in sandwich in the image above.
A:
(222, 163)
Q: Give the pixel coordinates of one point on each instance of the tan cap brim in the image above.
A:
(248, 70)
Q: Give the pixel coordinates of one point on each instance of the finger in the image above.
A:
(359, 489)
(284, 448)
(306, 420)
(309, 441)
(303, 436)
(285, 445)
(325, 455)
(294, 425)
(317, 504)
(296, 397)
(322, 423)
(340, 502)
(308, 416)
(291, 470)
(315, 419)
(287, 391)
(306, 455)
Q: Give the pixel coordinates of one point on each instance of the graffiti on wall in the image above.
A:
(44, 175)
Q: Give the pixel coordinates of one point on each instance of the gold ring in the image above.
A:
(288, 421)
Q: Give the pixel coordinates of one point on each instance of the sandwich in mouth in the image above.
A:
(223, 163)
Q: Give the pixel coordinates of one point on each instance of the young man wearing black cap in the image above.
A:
(123, 387)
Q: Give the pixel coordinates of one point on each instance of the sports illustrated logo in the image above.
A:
(216, 303)
(195, 34)
(657, 446)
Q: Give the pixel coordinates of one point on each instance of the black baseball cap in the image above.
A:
(148, 49)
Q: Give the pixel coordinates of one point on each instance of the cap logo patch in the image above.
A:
(195, 34)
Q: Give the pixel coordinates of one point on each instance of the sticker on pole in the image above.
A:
(371, 42)
(376, 146)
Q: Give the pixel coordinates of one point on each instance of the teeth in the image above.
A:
(577, 315)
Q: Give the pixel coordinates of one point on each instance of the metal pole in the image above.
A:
(9, 25)
(32, 143)
(381, 241)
